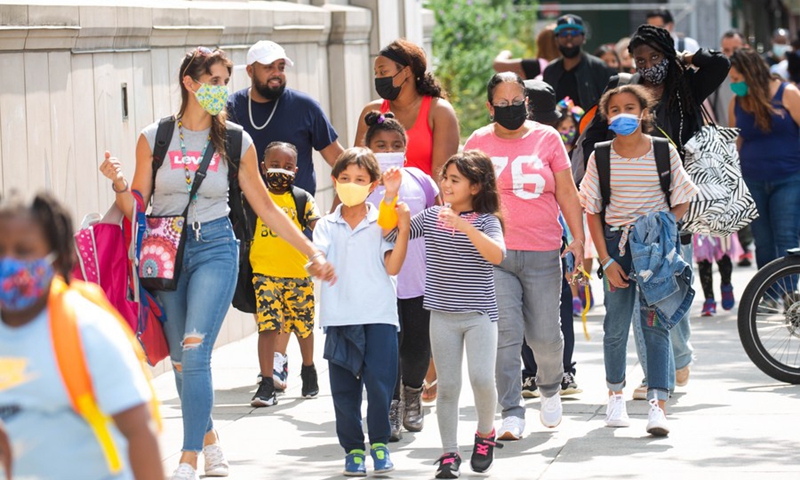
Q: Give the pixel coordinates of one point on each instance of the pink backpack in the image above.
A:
(104, 249)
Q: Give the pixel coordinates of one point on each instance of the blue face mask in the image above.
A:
(624, 123)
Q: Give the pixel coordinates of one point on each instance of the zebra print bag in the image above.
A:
(723, 204)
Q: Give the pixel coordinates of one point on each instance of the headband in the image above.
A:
(394, 56)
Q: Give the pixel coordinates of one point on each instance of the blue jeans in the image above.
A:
(777, 227)
(616, 325)
(378, 375)
(195, 310)
(680, 335)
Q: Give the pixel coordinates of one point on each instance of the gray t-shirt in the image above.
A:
(170, 196)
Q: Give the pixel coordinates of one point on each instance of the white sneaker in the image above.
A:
(512, 428)
(280, 371)
(215, 463)
(616, 412)
(550, 413)
(657, 421)
(184, 472)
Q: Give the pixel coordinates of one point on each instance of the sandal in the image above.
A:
(429, 391)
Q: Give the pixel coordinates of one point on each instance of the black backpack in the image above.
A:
(602, 157)
(241, 215)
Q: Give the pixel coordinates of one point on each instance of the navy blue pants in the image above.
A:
(379, 374)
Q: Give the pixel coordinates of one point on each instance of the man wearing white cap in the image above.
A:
(270, 112)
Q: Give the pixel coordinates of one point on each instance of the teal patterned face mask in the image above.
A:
(212, 97)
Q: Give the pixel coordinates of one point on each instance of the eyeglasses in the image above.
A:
(504, 103)
(569, 32)
(202, 51)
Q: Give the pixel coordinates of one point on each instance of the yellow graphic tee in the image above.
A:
(271, 255)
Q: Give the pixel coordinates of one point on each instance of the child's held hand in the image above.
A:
(320, 268)
(403, 216)
(392, 178)
(451, 219)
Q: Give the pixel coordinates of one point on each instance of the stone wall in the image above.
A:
(85, 76)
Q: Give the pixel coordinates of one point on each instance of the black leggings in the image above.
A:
(414, 341)
(707, 282)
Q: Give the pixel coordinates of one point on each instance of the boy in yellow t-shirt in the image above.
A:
(284, 290)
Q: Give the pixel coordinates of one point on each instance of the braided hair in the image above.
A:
(677, 91)
(55, 222)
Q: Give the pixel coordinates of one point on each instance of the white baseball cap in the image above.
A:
(265, 52)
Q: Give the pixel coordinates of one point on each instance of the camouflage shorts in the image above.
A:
(285, 304)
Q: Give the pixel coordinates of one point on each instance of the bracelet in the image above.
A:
(316, 255)
(120, 191)
(607, 264)
(605, 259)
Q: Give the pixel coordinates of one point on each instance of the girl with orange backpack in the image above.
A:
(65, 351)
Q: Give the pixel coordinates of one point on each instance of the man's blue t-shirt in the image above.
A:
(299, 120)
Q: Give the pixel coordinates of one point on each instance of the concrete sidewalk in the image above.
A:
(730, 421)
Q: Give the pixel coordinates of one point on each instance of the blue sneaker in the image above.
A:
(380, 458)
(354, 465)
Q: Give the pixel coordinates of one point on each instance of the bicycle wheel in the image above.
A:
(769, 319)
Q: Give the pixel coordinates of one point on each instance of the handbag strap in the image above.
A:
(199, 176)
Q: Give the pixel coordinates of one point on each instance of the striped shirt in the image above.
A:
(458, 278)
(635, 188)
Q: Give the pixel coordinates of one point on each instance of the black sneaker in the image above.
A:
(449, 463)
(529, 388)
(568, 384)
(483, 453)
(310, 386)
(265, 395)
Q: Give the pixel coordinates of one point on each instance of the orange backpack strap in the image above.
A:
(71, 360)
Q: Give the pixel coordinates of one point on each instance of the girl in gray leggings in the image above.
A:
(463, 240)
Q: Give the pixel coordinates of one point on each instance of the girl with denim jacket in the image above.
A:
(635, 191)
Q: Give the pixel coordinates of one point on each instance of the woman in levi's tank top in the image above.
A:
(418, 103)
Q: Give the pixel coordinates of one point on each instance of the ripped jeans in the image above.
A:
(195, 311)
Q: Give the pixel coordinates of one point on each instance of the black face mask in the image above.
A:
(386, 89)
(570, 52)
(511, 117)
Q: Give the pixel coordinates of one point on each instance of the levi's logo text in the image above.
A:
(193, 160)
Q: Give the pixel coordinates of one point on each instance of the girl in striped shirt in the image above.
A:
(463, 239)
(635, 191)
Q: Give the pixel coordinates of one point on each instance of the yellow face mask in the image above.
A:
(352, 194)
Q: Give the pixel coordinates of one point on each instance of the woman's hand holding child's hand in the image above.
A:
(320, 268)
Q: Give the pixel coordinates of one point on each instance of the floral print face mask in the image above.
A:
(212, 98)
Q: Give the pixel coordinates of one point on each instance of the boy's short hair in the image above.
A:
(363, 157)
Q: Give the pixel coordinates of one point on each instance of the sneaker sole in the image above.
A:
(310, 395)
(381, 472)
(258, 403)
(658, 431)
(354, 474)
(640, 396)
(618, 424)
(220, 473)
(549, 425)
(508, 436)
(481, 471)
(528, 394)
(570, 391)
(449, 474)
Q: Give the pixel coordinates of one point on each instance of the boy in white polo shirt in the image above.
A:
(359, 311)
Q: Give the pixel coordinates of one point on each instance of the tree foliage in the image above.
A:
(467, 36)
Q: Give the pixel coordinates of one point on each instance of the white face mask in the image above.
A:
(388, 160)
